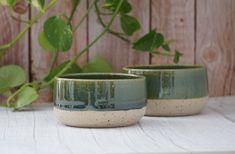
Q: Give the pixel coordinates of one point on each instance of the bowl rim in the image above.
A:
(151, 68)
(135, 77)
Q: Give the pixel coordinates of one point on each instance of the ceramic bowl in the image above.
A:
(173, 90)
(99, 99)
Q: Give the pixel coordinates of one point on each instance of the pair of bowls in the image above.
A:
(115, 99)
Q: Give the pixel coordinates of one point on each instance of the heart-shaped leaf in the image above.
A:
(8, 2)
(97, 64)
(112, 5)
(25, 97)
(166, 47)
(58, 33)
(44, 43)
(11, 76)
(177, 56)
(129, 24)
(149, 42)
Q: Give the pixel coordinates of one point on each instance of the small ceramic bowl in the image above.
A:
(99, 99)
(173, 90)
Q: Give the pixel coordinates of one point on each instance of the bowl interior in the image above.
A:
(100, 76)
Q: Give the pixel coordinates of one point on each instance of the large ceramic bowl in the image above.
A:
(99, 99)
(173, 90)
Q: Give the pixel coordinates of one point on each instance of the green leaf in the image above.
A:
(38, 4)
(58, 33)
(112, 5)
(97, 64)
(149, 42)
(177, 56)
(6, 93)
(129, 24)
(11, 76)
(25, 97)
(75, 3)
(73, 69)
(166, 47)
(44, 43)
(10, 3)
(3, 90)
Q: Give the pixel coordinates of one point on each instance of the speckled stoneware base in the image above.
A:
(175, 107)
(99, 99)
(173, 90)
(99, 118)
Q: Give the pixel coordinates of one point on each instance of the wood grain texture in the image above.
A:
(9, 28)
(116, 51)
(37, 131)
(215, 44)
(175, 19)
(204, 30)
(40, 60)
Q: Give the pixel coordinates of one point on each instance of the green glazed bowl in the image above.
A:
(173, 90)
(99, 99)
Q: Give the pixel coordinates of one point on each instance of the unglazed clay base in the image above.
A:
(99, 118)
(175, 107)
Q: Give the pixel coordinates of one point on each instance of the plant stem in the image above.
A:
(55, 54)
(169, 41)
(41, 84)
(163, 53)
(73, 12)
(54, 59)
(19, 19)
(117, 34)
(17, 92)
(105, 14)
(87, 48)
(27, 27)
(84, 16)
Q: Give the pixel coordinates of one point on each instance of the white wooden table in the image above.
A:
(37, 131)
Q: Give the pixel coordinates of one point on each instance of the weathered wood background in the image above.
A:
(204, 30)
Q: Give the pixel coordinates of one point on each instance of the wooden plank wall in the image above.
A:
(19, 54)
(204, 30)
(118, 52)
(215, 45)
(40, 60)
(175, 19)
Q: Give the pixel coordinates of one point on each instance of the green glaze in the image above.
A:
(173, 81)
(100, 92)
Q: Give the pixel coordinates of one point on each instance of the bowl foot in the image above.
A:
(93, 119)
(175, 107)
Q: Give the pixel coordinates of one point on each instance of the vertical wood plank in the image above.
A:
(9, 28)
(175, 19)
(40, 60)
(19, 53)
(215, 44)
(116, 51)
